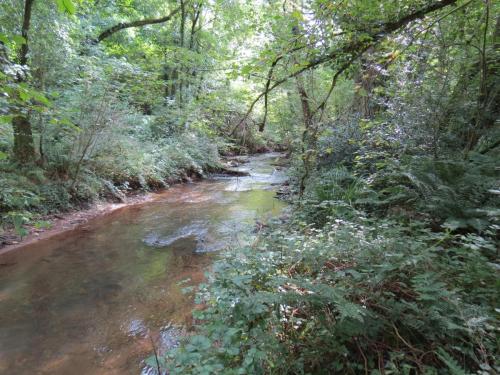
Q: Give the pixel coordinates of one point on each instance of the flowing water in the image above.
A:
(96, 299)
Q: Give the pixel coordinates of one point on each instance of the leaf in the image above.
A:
(24, 95)
(19, 40)
(40, 97)
(198, 343)
(6, 119)
(247, 69)
(66, 6)
(297, 15)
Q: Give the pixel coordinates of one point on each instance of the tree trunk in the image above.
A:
(365, 82)
(307, 142)
(487, 107)
(24, 149)
(182, 32)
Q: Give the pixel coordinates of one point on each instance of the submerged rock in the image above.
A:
(197, 230)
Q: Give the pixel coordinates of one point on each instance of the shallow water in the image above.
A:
(94, 300)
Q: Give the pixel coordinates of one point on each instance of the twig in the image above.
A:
(404, 341)
(363, 355)
(156, 355)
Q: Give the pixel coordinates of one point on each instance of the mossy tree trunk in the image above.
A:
(24, 147)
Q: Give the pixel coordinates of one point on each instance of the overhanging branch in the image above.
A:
(126, 25)
(354, 49)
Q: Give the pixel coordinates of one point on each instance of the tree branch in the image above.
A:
(268, 83)
(126, 25)
(267, 89)
(355, 48)
(335, 78)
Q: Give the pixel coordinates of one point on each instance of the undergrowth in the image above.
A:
(120, 166)
(392, 270)
(356, 296)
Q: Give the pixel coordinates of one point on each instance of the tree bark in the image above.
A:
(307, 137)
(24, 148)
(365, 81)
(194, 21)
(182, 32)
(487, 103)
(193, 44)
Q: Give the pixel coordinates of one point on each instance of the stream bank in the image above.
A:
(96, 297)
(61, 222)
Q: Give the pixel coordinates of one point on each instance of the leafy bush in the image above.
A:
(458, 193)
(26, 193)
(331, 193)
(117, 166)
(56, 197)
(17, 192)
(354, 297)
(455, 193)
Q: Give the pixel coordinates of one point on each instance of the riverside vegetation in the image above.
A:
(388, 263)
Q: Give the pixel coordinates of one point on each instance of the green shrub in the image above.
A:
(456, 193)
(359, 298)
(453, 193)
(56, 197)
(331, 193)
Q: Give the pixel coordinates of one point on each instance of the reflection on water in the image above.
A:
(92, 300)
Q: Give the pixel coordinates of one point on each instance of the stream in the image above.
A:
(95, 299)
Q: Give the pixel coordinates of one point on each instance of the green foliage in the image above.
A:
(98, 113)
(354, 297)
(332, 193)
(66, 6)
(18, 220)
(454, 193)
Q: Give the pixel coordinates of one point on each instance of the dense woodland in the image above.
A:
(387, 111)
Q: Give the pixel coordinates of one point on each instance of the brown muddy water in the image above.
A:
(94, 300)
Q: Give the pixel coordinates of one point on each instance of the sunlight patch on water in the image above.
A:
(198, 230)
(135, 327)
